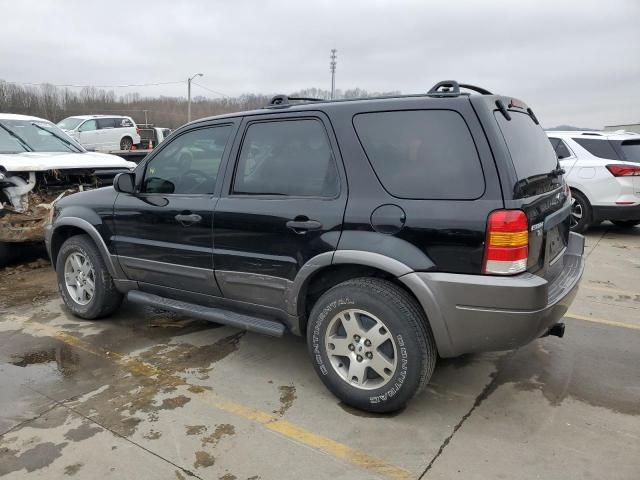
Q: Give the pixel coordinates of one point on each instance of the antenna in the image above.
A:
(332, 67)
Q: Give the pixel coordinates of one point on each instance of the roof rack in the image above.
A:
(283, 101)
(451, 88)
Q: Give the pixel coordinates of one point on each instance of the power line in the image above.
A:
(209, 90)
(34, 84)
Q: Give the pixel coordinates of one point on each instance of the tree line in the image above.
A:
(55, 103)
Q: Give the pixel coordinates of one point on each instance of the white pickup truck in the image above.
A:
(38, 164)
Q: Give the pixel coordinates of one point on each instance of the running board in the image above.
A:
(211, 314)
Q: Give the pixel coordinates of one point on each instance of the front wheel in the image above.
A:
(371, 344)
(626, 223)
(84, 280)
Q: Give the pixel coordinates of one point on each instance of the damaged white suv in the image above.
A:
(38, 164)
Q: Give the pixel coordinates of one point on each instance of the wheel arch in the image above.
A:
(67, 227)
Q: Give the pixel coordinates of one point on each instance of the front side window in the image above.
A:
(88, 126)
(422, 154)
(292, 158)
(69, 123)
(189, 164)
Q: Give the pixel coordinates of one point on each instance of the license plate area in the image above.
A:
(556, 243)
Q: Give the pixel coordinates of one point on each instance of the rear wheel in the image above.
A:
(625, 223)
(371, 344)
(84, 281)
(126, 143)
(581, 217)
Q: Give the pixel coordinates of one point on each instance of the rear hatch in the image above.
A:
(535, 186)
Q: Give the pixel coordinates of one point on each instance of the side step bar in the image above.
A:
(211, 314)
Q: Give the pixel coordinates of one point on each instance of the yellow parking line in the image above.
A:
(602, 321)
(614, 291)
(271, 422)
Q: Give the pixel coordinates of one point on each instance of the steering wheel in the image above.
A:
(197, 179)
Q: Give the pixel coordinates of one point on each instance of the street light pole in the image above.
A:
(189, 95)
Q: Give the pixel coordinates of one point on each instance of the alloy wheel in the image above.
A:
(80, 278)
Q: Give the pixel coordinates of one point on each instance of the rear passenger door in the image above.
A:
(283, 203)
(106, 133)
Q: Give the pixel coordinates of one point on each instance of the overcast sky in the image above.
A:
(575, 62)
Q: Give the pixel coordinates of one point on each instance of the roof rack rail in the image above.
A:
(451, 88)
(283, 101)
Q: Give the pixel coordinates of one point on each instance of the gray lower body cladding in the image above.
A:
(475, 313)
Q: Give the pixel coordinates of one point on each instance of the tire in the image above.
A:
(126, 143)
(581, 213)
(105, 299)
(409, 344)
(625, 223)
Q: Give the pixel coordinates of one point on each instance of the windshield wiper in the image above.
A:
(62, 139)
(24, 144)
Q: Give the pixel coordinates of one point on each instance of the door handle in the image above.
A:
(188, 218)
(303, 226)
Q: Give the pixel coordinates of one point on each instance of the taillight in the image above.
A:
(137, 131)
(507, 244)
(618, 170)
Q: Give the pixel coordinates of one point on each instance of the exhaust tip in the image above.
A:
(557, 330)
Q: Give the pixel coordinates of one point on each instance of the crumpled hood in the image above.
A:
(40, 161)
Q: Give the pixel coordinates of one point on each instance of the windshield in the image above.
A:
(38, 136)
(70, 123)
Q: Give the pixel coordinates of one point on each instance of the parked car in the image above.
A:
(39, 163)
(388, 231)
(603, 172)
(102, 132)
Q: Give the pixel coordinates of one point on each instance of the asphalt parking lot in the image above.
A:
(150, 395)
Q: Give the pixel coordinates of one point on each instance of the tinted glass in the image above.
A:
(286, 158)
(106, 123)
(562, 151)
(554, 142)
(631, 150)
(189, 164)
(529, 147)
(422, 154)
(599, 148)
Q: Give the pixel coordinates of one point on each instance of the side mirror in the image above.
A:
(124, 182)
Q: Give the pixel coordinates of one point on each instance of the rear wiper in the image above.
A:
(24, 144)
(62, 139)
(555, 173)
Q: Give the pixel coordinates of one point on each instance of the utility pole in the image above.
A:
(189, 95)
(332, 67)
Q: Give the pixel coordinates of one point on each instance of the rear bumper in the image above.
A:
(475, 313)
(621, 212)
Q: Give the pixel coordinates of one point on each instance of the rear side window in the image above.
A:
(529, 147)
(123, 122)
(422, 154)
(631, 150)
(599, 148)
(290, 158)
(106, 123)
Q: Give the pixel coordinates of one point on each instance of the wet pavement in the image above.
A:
(151, 395)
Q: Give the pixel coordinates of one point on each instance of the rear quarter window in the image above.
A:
(422, 154)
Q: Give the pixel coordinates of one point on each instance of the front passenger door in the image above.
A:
(164, 231)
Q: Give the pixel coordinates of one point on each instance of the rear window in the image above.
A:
(631, 150)
(599, 148)
(530, 149)
(422, 154)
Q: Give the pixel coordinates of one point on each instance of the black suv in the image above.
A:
(389, 231)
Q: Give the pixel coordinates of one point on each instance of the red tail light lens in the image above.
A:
(137, 131)
(624, 170)
(507, 244)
